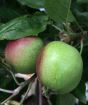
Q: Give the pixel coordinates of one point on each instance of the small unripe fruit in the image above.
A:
(59, 67)
(22, 53)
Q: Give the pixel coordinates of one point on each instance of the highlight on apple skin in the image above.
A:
(59, 67)
(21, 54)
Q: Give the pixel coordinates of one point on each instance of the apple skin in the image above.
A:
(59, 67)
(22, 54)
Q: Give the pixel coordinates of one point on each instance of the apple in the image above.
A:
(59, 67)
(21, 54)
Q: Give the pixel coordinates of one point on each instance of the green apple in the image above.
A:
(22, 53)
(59, 67)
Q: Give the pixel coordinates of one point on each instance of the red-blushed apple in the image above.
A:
(59, 67)
(22, 53)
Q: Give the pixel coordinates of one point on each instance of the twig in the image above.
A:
(16, 81)
(23, 76)
(18, 89)
(81, 44)
(47, 95)
(26, 93)
(6, 100)
(6, 91)
(40, 94)
(56, 27)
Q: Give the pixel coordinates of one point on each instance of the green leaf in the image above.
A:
(80, 92)
(32, 3)
(59, 10)
(50, 33)
(10, 9)
(80, 10)
(82, 1)
(23, 26)
(8, 14)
